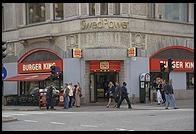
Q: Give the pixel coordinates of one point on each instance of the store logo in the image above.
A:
(104, 23)
(77, 53)
(104, 65)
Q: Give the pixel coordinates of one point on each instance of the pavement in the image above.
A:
(182, 104)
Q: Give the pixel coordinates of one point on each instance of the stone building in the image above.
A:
(43, 34)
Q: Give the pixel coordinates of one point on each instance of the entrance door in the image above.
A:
(99, 85)
(92, 88)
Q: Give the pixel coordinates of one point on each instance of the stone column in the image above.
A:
(97, 9)
(110, 8)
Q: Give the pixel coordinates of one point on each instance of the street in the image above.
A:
(150, 118)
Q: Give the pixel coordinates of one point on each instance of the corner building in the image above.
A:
(43, 34)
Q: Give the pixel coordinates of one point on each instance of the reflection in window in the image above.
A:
(35, 12)
(175, 12)
(104, 8)
(190, 80)
(92, 9)
(116, 8)
(58, 11)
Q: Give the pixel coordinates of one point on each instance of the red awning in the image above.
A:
(31, 77)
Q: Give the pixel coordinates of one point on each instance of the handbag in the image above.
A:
(80, 94)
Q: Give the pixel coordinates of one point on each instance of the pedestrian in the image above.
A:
(78, 94)
(50, 97)
(74, 94)
(110, 93)
(66, 96)
(169, 94)
(158, 90)
(117, 93)
(124, 95)
(162, 90)
(70, 94)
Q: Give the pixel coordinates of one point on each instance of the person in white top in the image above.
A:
(70, 94)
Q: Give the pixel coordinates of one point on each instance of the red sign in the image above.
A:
(39, 66)
(178, 64)
(111, 65)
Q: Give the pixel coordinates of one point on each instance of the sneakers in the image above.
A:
(166, 108)
(176, 108)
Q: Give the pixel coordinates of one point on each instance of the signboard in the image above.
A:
(178, 64)
(40, 66)
(104, 65)
(77, 53)
(132, 52)
(111, 65)
(4, 73)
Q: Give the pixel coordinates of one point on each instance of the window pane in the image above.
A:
(175, 12)
(190, 80)
(58, 11)
(104, 8)
(117, 8)
(35, 12)
(92, 9)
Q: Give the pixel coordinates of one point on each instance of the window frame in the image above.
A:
(164, 15)
(115, 9)
(91, 13)
(28, 15)
(189, 75)
(102, 12)
(54, 11)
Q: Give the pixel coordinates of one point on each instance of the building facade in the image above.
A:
(39, 35)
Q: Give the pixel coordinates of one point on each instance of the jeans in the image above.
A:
(172, 98)
(66, 102)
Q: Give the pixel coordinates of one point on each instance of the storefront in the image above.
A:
(33, 71)
(183, 69)
(101, 73)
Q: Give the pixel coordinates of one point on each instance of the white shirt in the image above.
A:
(70, 90)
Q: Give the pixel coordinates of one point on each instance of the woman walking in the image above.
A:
(78, 94)
(110, 93)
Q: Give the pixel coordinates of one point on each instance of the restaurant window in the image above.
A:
(35, 12)
(190, 80)
(116, 8)
(92, 9)
(58, 11)
(104, 8)
(175, 12)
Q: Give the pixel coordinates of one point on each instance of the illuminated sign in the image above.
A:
(77, 53)
(132, 52)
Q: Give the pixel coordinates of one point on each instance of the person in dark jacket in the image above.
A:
(49, 97)
(110, 93)
(117, 93)
(169, 94)
(124, 95)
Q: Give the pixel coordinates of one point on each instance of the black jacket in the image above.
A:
(168, 89)
(123, 91)
(117, 91)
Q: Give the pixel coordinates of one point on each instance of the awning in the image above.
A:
(31, 77)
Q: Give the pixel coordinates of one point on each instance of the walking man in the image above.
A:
(49, 97)
(66, 96)
(70, 94)
(124, 95)
(169, 94)
(117, 93)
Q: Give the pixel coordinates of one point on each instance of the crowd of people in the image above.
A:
(71, 95)
(117, 94)
(164, 92)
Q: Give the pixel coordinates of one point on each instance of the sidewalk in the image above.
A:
(99, 107)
